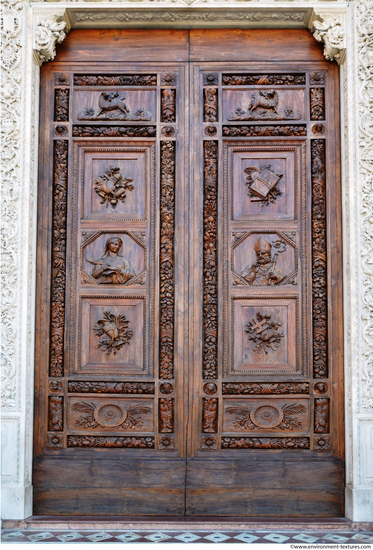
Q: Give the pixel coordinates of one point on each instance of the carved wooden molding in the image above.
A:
(115, 80)
(252, 388)
(166, 267)
(114, 131)
(319, 271)
(55, 414)
(265, 443)
(166, 415)
(111, 387)
(58, 257)
(110, 442)
(293, 79)
(264, 130)
(61, 105)
(210, 271)
(321, 416)
(168, 107)
(317, 104)
(210, 415)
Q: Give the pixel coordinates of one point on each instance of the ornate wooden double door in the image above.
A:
(189, 321)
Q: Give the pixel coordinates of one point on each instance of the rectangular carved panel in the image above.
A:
(110, 414)
(266, 415)
(115, 80)
(114, 105)
(263, 104)
(114, 131)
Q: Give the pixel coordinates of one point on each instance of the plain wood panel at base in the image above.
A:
(104, 502)
(288, 488)
(107, 472)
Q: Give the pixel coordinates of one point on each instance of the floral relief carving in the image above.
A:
(166, 415)
(252, 388)
(58, 258)
(265, 332)
(319, 271)
(317, 106)
(112, 187)
(210, 104)
(61, 112)
(210, 415)
(111, 387)
(55, 414)
(110, 415)
(264, 130)
(210, 273)
(265, 443)
(321, 416)
(113, 332)
(168, 106)
(110, 442)
(267, 416)
(166, 268)
(114, 131)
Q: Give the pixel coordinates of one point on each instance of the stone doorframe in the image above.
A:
(30, 34)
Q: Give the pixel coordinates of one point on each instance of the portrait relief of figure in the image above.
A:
(264, 271)
(111, 267)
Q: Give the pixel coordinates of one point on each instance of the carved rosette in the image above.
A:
(166, 268)
(319, 272)
(210, 415)
(321, 442)
(55, 414)
(58, 257)
(54, 441)
(210, 270)
(166, 415)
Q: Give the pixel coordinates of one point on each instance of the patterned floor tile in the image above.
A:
(217, 537)
(335, 538)
(157, 537)
(69, 536)
(362, 537)
(187, 537)
(127, 537)
(276, 537)
(99, 537)
(246, 537)
(304, 537)
(38, 537)
(12, 535)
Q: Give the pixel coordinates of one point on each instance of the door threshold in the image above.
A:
(183, 522)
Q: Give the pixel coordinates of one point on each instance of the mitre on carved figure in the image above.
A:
(262, 245)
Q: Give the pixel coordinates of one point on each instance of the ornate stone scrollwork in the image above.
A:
(49, 31)
(330, 31)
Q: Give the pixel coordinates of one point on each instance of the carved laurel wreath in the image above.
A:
(91, 418)
(286, 416)
(113, 332)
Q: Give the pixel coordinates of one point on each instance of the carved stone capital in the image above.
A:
(330, 29)
(48, 31)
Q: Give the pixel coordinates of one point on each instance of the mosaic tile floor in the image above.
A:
(261, 537)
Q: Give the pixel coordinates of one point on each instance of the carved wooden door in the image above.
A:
(189, 292)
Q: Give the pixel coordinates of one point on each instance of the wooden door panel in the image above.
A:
(264, 315)
(109, 388)
(189, 295)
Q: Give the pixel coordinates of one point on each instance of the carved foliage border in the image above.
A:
(210, 268)
(166, 267)
(56, 367)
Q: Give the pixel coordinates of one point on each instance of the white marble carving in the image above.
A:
(331, 32)
(49, 31)
(31, 32)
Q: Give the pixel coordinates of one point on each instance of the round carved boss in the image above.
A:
(266, 416)
(110, 415)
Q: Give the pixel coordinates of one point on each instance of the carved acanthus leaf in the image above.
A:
(331, 32)
(49, 31)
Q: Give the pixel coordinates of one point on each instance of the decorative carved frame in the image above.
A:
(30, 33)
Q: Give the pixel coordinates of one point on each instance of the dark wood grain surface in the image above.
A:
(189, 296)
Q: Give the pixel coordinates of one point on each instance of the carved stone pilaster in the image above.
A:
(48, 32)
(329, 28)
